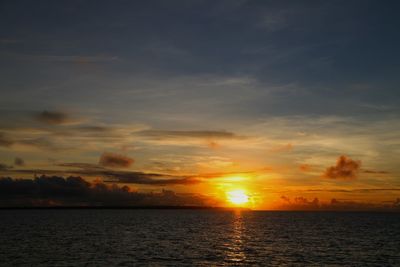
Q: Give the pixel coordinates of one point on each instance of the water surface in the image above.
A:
(197, 238)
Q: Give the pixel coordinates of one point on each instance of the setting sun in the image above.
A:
(238, 197)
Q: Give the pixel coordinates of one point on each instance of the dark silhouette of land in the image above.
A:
(124, 207)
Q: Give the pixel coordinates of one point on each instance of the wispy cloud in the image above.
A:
(206, 134)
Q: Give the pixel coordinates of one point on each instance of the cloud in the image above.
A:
(164, 134)
(19, 161)
(142, 178)
(358, 190)
(213, 145)
(87, 166)
(285, 198)
(53, 117)
(282, 148)
(354, 205)
(115, 160)
(75, 191)
(5, 141)
(302, 203)
(305, 167)
(113, 176)
(4, 167)
(345, 169)
(43, 142)
(299, 203)
(150, 179)
(375, 172)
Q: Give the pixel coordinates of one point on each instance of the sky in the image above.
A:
(293, 103)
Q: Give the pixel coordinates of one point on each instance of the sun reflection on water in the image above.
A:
(235, 247)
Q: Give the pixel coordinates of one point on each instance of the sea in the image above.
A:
(158, 237)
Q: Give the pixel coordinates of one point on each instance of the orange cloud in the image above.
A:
(305, 167)
(213, 145)
(282, 148)
(345, 169)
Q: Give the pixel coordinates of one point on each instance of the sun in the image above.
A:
(238, 197)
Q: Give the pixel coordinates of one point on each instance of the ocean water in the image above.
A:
(197, 238)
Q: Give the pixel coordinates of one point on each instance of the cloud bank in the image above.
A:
(109, 175)
(75, 191)
(302, 203)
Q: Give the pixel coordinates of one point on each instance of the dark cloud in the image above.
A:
(397, 203)
(40, 143)
(19, 161)
(93, 129)
(285, 198)
(164, 134)
(90, 131)
(359, 190)
(112, 176)
(27, 136)
(372, 190)
(86, 166)
(53, 117)
(375, 172)
(144, 178)
(5, 141)
(354, 205)
(115, 160)
(75, 191)
(4, 167)
(141, 177)
(301, 203)
(345, 169)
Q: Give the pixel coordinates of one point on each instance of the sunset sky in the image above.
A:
(286, 104)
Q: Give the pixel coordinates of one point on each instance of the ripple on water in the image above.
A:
(197, 238)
